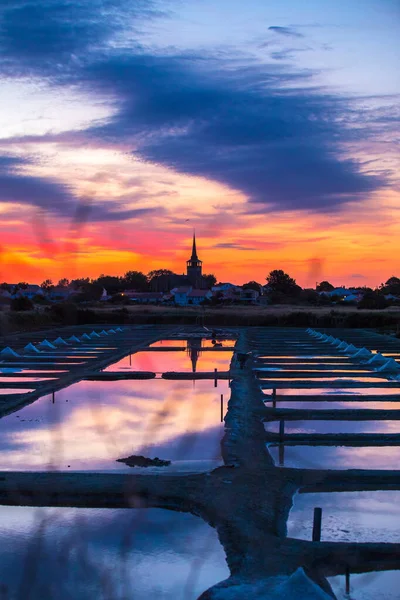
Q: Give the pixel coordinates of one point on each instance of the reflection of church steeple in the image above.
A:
(194, 351)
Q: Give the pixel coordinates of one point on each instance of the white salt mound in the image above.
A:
(8, 353)
(60, 342)
(31, 349)
(46, 345)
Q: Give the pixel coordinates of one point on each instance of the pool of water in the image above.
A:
(160, 362)
(372, 516)
(265, 379)
(336, 405)
(64, 553)
(205, 343)
(91, 424)
(24, 379)
(336, 457)
(327, 426)
(293, 391)
(10, 370)
(6, 391)
(368, 586)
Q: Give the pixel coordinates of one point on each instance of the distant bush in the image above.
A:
(64, 312)
(39, 299)
(21, 303)
(373, 300)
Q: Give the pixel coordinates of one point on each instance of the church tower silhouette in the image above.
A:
(194, 267)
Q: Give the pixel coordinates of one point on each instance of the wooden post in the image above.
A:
(222, 408)
(281, 430)
(281, 455)
(347, 580)
(274, 398)
(53, 397)
(317, 522)
(130, 360)
(215, 377)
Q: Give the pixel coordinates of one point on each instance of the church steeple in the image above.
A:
(194, 256)
(194, 267)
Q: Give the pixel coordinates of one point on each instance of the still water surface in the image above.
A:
(93, 423)
(65, 553)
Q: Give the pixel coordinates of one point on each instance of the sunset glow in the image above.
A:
(273, 136)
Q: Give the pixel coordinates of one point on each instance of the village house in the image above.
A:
(186, 296)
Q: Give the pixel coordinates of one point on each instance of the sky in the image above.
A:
(269, 127)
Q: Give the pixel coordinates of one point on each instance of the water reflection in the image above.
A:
(205, 343)
(66, 553)
(160, 362)
(337, 457)
(293, 391)
(93, 423)
(321, 426)
(6, 391)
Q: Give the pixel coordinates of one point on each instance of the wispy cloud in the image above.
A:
(286, 31)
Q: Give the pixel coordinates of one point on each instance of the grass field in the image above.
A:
(277, 315)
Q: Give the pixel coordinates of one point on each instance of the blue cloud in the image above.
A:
(241, 126)
(287, 31)
(261, 129)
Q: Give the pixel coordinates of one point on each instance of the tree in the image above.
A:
(5, 286)
(392, 286)
(77, 283)
(112, 284)
(47, 285)
(135, 280)
(64, 282)
(324, 286)
(161, 280)
(158, 273)
(252, 285)
(373, 300)
(281, 282)
(209, 280)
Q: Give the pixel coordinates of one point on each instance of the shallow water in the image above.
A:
(205, 343)
(64, 553)
(183, 361)
(93, 423)
(333, 391)
(337, 457)
(368, 586)
(6, 391)
(372, 516)
(327, 426)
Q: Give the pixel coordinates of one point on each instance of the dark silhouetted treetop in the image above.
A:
(64, 282)
(209, 280)
(252, 285)
(111, 284)
(279, 281)
(47, 285)
(324, 286)
(135, 280)
(158, 273)
(392, 286)
(77, 283)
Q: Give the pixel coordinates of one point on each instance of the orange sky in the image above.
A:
(309, 247)
(275, 142)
